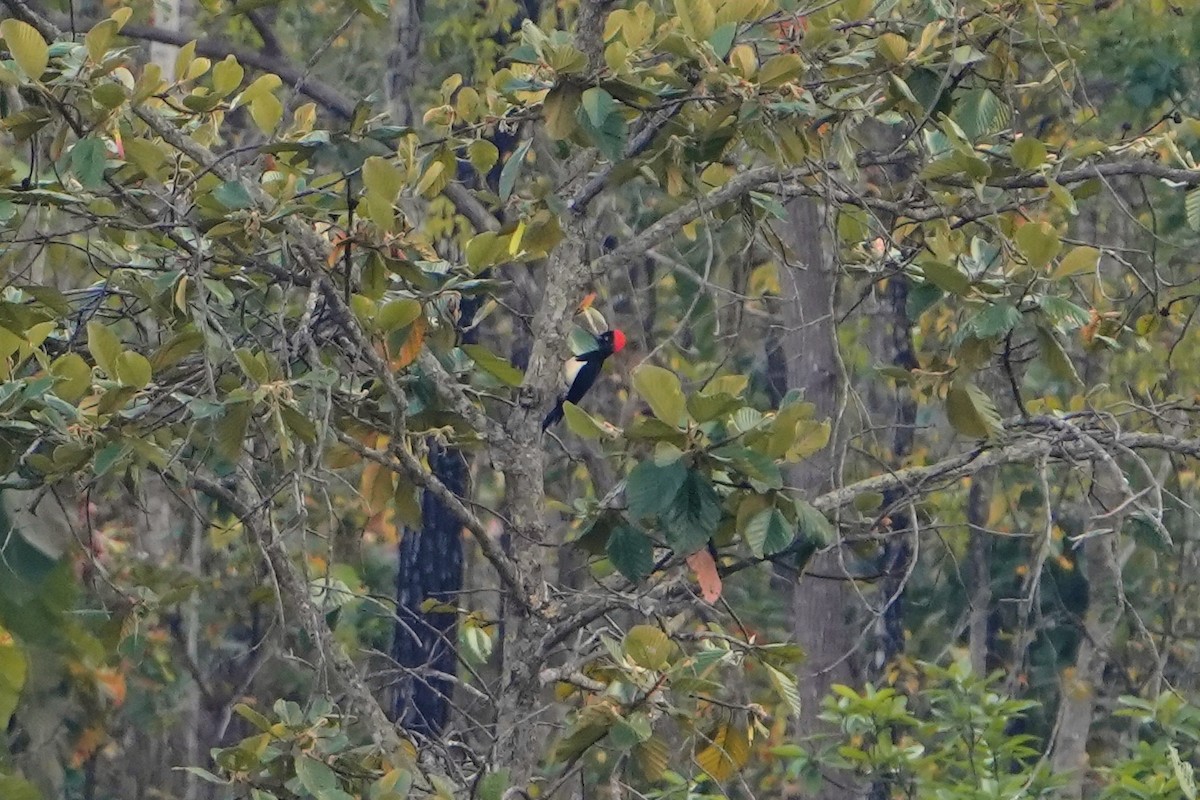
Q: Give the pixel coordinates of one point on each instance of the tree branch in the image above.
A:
(402, 462)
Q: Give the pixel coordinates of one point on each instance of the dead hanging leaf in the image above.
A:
(376, 487)
(338, 248)
(412, 345)
(728, 751)
(705, 567)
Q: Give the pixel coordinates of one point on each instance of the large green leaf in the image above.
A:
(631, 552)
(650, 489)
(694, 515)
(768, 532)
(499, 368)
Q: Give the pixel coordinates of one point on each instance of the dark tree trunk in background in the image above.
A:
(431, 567)
(897, 552)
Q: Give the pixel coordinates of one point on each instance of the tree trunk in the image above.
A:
(979, 572)
(1080, 684)
(824, 603)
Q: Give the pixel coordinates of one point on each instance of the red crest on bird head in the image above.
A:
(618, 340)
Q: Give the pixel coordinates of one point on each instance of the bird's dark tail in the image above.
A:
(554, 416)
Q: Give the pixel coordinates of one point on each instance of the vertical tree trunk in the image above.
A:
(403, 59)
(979, 571)
(1080, 684)
(824, 604)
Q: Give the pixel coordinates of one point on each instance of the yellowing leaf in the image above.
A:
(266, 111)
(227, 76)
(893, 47)
(660, 388)
(1078, 261)
(559, 109)
(648, 647)
(779, 70)
(1028, 153)
(27, 46)
(727, 752)
(581, 423)
(971, 412)
(1039, 242)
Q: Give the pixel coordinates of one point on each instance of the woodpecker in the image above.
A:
(583, 370)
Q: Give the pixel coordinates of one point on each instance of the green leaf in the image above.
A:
(133, 369)
(14, 788)
(947, 277)
(768, 532)
(754, 465)
(494, 785)
(483, 155)
(630, 731)
(395, 314)
(1028, 153)
(722, 39)
(697, 16)
(995, 320)
(581, 423)
(88, 159)
(631, 552)
(512, 170)
(1039, 242)
(812, 525)
(485, 250)
(598, 105)
(660, 388)
(104, 346)
(74, 376)
(694, 515)
(315, 776)
(971, 412)
(1062, 313)
(786, 687)
(1082, 259)
(1191, 204)
(233, 195)
(707, 407)
(650, 489)
(609, 136)
(499, 368)
(1055, 358)
(27, 46)
(648, 647)
(397, 784)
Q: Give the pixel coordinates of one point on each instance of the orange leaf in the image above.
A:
(586, 302)
(412, 345)
(111, 684)
(376, 487)
(340, 243)
(705, 567)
